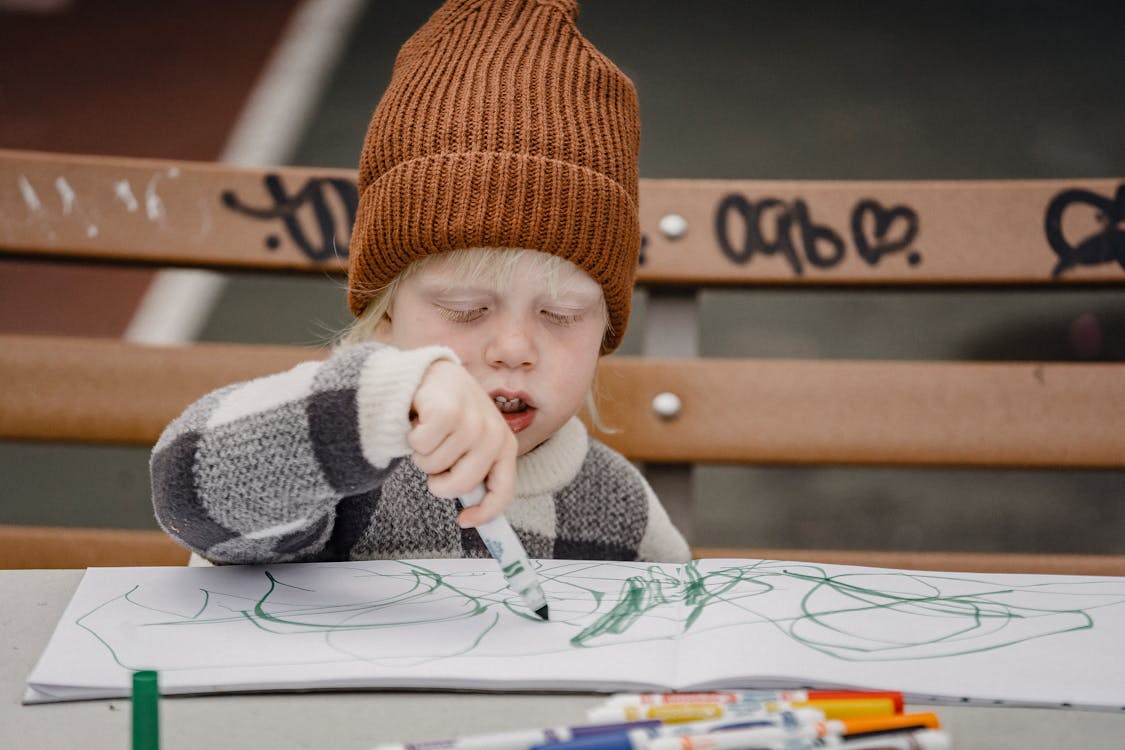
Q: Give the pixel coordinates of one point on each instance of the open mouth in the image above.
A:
(510, 405)
(516, 412)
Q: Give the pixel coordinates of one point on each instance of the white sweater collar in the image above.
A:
(553, 464)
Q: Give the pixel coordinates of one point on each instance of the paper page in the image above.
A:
(427, 623)
(1029, 640)
(964, 637)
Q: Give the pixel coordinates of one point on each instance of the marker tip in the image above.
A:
(542, 612)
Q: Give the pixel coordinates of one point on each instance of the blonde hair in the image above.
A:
(470, 266)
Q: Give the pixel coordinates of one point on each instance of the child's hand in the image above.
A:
(460, 440)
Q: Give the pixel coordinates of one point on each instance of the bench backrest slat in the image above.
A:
(738, 232)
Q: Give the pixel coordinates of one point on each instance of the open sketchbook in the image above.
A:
(1021, 639)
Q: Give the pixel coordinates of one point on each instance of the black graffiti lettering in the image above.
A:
(314, 194)
(876, 231)
(753, 238)
(814, 235)
(1105, 246)
(872, 247)
(735, 202)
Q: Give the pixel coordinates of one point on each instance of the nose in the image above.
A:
(510, 345)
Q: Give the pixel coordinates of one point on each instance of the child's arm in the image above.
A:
(662, 541)
(253, 472)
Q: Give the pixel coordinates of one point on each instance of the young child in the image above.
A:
(491, 265)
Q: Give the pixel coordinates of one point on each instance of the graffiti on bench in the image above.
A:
(333, 240)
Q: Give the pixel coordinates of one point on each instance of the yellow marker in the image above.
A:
(670, 713)
(843, 708)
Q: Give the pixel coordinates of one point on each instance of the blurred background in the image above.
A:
(758, 89)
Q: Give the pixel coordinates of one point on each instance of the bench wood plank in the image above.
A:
(762, 411)
(739, 232)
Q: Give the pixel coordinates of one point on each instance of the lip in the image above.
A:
(518, 421)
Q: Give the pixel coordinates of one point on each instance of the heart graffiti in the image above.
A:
(770, 226)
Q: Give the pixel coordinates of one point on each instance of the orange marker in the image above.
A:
(755, 696)
(893, 723)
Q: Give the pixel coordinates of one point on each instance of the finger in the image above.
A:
(445, 456)
(501, 490)
(466, 473)
(430, 430)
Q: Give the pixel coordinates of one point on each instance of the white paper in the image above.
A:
(1019, 639)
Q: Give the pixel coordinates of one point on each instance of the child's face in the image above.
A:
(530, 340)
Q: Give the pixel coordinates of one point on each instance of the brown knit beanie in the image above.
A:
(501, 127)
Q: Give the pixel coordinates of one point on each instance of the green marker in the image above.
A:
(505, 546)
(146, 711)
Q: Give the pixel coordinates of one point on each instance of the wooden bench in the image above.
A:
(698, 234)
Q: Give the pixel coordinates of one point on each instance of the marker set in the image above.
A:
(730, 720)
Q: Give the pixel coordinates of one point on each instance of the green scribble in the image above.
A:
(826, 618)
(852, 614)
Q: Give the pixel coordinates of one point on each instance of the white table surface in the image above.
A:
(31, 602)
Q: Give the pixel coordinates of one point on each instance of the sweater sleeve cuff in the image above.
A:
(387, 382)
(662, 541)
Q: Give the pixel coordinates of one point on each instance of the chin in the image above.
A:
(529, 440)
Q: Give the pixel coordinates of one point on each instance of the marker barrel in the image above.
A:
(519, 739)
(741, 739)
(673, 712)
(898, 722)
(634, 739)
(849, 708)
(922, 739)
(757, 696)
(505, 547)
(793, 723)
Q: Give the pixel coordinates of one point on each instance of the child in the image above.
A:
(491, 264)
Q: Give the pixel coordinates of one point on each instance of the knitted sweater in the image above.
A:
(313, 464)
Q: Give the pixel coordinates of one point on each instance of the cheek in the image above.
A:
(412, 330)
(576, 366)
(464, 342)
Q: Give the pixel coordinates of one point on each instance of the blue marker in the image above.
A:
(638, 738)
(634, 739)
(520, 739)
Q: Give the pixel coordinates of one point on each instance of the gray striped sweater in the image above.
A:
(313, 464)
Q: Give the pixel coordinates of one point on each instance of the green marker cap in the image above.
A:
(146, 711)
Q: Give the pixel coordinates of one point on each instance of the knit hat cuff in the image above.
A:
(458, 201)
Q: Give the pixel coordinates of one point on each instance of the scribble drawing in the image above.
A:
(865, 616)
(399, 614)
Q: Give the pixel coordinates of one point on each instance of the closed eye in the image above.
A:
(461, 316)
(560, 318)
